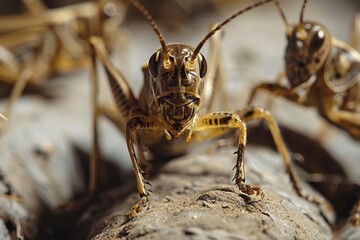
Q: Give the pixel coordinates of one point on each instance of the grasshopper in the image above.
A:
(322, 72)
(174, 108)
(44, 42)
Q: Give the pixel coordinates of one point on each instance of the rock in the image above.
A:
(194, 197)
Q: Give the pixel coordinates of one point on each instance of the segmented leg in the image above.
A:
(126, 114)
(112, 114)
(122, 93)
(217, 123)
(275, 89)
(253, 113)
(355, 34)
(348, 120)
(290, 94)
(94, 155)
(270, 101)
(132, 126)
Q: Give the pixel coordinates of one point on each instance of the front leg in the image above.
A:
(253, 113)
(126, 114)
(277, 90)
(124, 99)
(218, 123)
(350, 121)
(132, 126)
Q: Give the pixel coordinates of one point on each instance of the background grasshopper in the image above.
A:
(322, 72)
(45, 41)
(175, 104)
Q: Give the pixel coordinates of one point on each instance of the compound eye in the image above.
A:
(317, 41)
(153, 64)
(203, 66)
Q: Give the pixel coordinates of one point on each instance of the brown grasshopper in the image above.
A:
(174, 104)
(43, 42)
(322, 72)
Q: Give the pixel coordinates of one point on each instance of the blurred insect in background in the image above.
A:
(45, 42)
(175, 104)
(322, 72)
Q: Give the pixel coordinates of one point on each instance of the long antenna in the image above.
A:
(153, 25)
(302, 12)
(218, 27)
(282, 14)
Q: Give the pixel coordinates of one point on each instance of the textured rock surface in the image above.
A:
(194, 198)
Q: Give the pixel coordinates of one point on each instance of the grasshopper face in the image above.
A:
(307, 50)
(177, 86)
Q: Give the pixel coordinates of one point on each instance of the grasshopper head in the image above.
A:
(307, 50)
(177, 85)
(177, 73)
(308, 47)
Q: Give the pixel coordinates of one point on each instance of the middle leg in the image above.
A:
(219, 123)
(253, 113)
